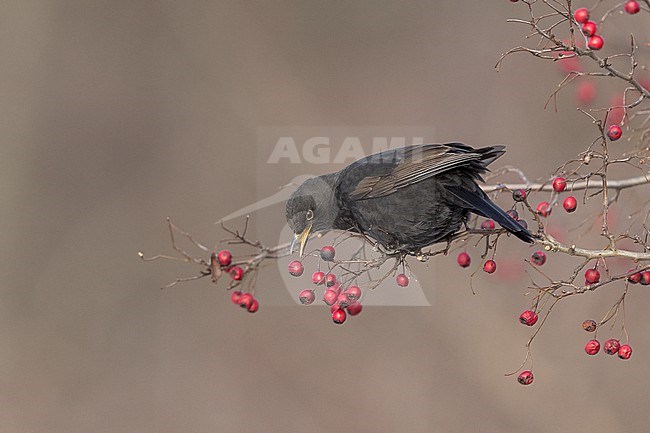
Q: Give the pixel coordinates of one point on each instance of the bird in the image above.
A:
(404, 199)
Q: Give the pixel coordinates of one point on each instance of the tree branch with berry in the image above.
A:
(569, 38)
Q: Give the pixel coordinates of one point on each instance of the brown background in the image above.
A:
(115, 114)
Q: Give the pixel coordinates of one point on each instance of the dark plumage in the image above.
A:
(405, 199)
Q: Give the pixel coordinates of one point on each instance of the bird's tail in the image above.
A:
(480, 204)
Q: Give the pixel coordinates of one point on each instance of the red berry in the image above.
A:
(586, 93)
(307, 296)
(559, 184)
(625, 351)
(254, 306)
(402, 280)
(330, 280)
(614, 132)
(634, 278)
(490, 266)
(589, 28)
(632, 7)
(544, 209)
(611, 346)
(236, 273)
(327, 253)
(589, 325)
(592, 347)
(595, 42)
(581, 15)
(235, 296)
(318, 277)
(339, 316)
(513, 214)
(519, 195)
(570, 204)
(488, 225)
(538, 258)
(245, 300)
(645, 278)
(224, 257)
(330, 297)
(342, 300)
(523, 223)
(464, 259)
(592, 276)
(296, 268)
(354, 308)
(525, 377)
(528, 318)
(353, 292)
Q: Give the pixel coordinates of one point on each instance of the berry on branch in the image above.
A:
(614, 132)
(528, 318)
(235, 296)
(330, 280)
(339, 316)
(354, 308)
(589, 325)
(224, 257)
(592, 276)
(318, 277)
(307, 297)
(538, 258)
(544, 209)
(625, 351)
(589, 28)
(570, 204)
(236, 273)
(559, 184)
(519, 195)
(327, 253)
(353, 292)
(296, 268)
(595, 42)
(254, 306)
(488, 225)
(581, 15)
(592, 347)
(525, 377)
(330, 297)
(464, 260)
(490, 266)
(402, 280)
(611, 346)
(632, 7)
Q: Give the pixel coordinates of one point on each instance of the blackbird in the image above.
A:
(405, 199)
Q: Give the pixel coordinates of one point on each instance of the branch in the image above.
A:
(585, 184)
(552, 244)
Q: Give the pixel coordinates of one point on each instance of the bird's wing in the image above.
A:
(415, 165)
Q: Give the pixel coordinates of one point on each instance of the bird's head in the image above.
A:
(311, 208)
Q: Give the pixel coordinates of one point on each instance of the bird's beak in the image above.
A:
(302, 237)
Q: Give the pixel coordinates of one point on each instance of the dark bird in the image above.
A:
(404, 199)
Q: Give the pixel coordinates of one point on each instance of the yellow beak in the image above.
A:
(302, 237)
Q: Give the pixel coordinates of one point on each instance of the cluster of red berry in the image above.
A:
(570, 203)
(342, 301)
(490, 266)
(464, 260)
(642, 278)
(611, 347)
(243, 299)
(589, 28)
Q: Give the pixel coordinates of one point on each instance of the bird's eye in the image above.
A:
(310, 215)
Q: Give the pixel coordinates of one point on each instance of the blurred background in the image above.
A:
(116, 114)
